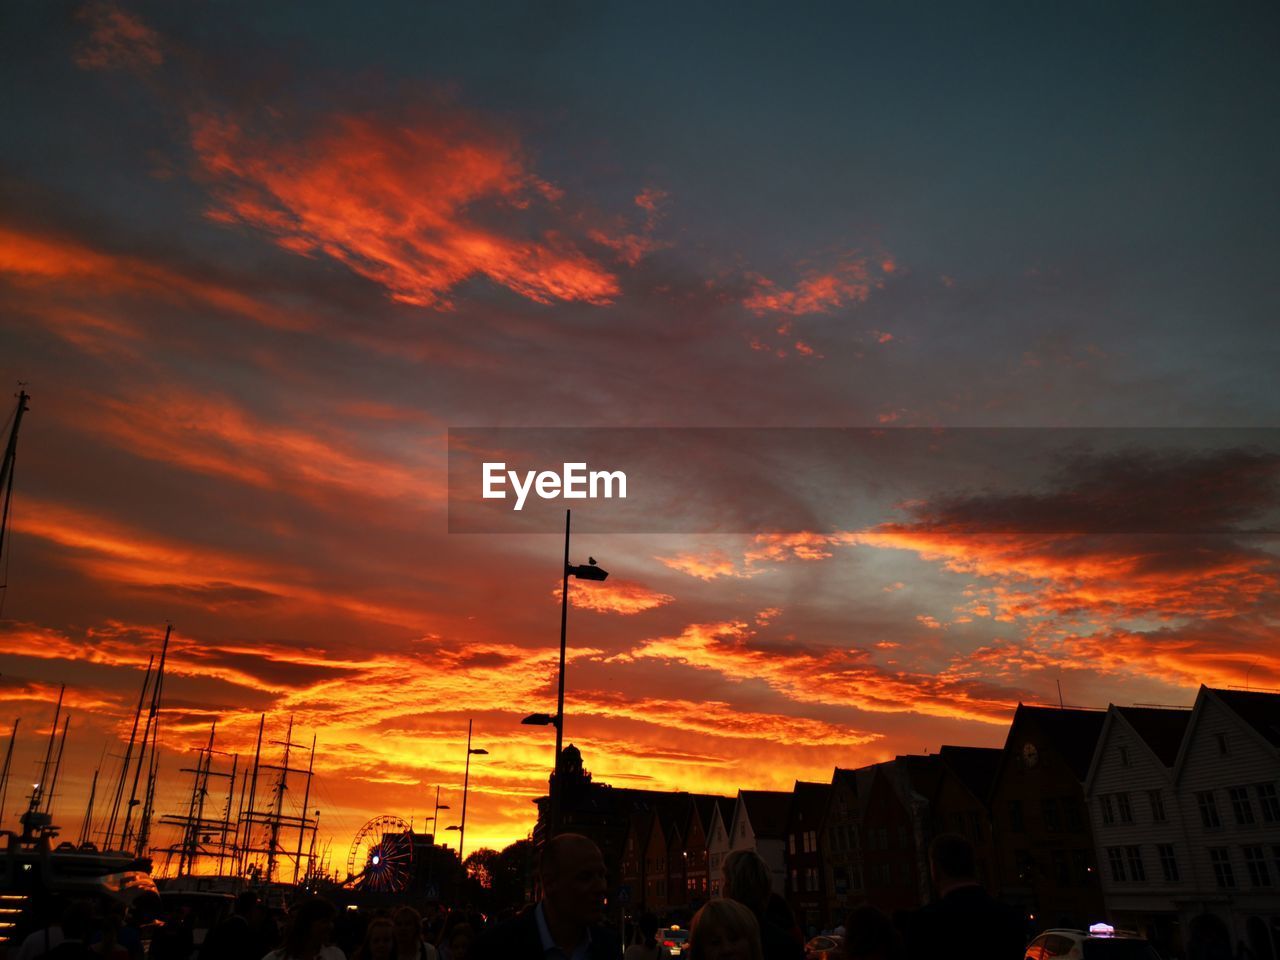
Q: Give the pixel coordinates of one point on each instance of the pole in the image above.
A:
(4, 775)
(466, 779)
(128, 756)
(306, 798)
(7, 467)
(556, 775)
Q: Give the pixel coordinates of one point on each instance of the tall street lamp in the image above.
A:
(466, 780)
(586, 571)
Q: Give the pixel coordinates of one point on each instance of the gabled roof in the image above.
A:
(1258, 709)
(974, 767)
(767, 810)
(1160, 728)
(1072, 733)
(809, 803)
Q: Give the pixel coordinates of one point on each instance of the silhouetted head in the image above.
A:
(747, 879)
(573, 879)
(724, 930)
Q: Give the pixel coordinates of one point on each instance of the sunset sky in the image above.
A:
(257, 259)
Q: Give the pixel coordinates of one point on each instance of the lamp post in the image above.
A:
(466, 780)
(586, 571)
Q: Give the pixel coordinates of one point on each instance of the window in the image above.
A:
(1241, 808)
(813, 841)
(811, 879)
(1256, 863)
(1268, 801)
(1115, 858)
(1222, 744)
(1108, 812)
(1137, 870)
(1208, 810)
(1124, 756)
(791, 845)
(1168, 862)
(1122, 805)
(1220, 857)
(1051, 823)
(1156, 799)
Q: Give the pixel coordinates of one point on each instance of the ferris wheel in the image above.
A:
(381, 857)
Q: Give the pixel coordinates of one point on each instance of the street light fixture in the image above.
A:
(466, 781)
(586, 571)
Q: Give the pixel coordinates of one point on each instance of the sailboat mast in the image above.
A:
(146, 736)
(253, 789)
(57, 768)
(6, 467)
(306, 798)
(38, 793)
(88, 814)
(4, 775)
(128, 757)
(281, 787)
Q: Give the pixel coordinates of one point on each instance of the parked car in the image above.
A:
(823, 947)
(1099, 942)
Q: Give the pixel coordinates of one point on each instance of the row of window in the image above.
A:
(1119, 808)
(808, 841)
(1242, 808)
(1128, 865)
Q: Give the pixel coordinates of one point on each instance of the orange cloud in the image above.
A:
(828, 676)
(400, 204)
(849, 283)
(115, 553)
(614, 597)
(215, 436)
(30, 258)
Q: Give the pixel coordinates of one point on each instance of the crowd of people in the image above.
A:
(748, 922)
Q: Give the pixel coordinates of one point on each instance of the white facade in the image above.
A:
(1227, 781)
(1144, 860)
